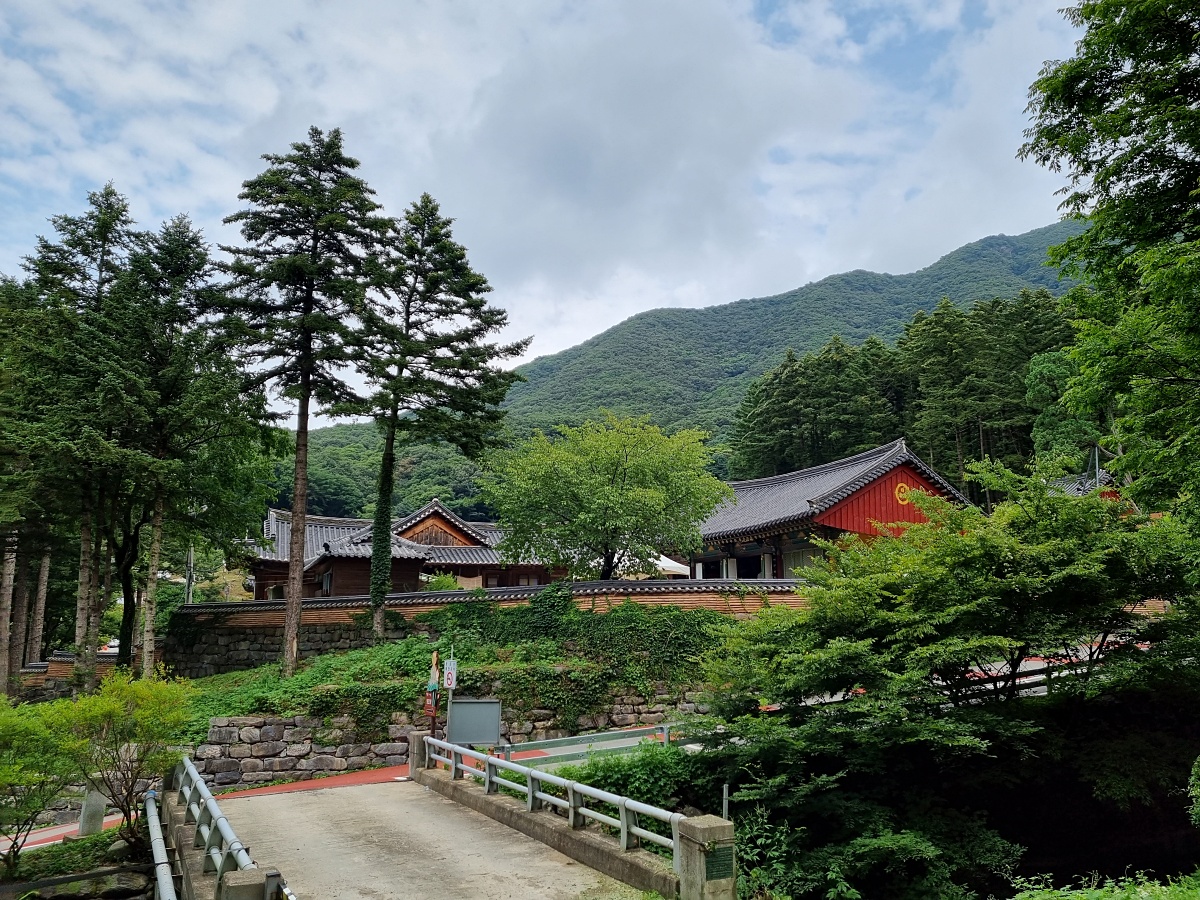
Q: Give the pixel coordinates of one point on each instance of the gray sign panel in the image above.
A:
(474, 722)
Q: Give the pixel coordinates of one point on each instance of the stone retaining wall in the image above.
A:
(249, 750)
(217, 649)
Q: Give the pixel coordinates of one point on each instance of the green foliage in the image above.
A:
(1103, 117)
(34, 769)
(264, 691)
(344, 462)
(636, 645)
(604, 499)
(122, 737)
(544, 655)
(370, 705)
(442, 581)
(85, 854)
(1139, 887)
(957, 385)
(882, 789)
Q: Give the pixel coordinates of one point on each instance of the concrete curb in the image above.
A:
(638, 868)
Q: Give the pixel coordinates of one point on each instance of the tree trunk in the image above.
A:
(148, 606)
(381, 534)
(85, 572)
(295, 591)
(101, 591)
(20, 620)
(37, 623)
(608, 566)
(128, 617)
(8, 569)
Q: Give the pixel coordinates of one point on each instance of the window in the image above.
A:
(799, 559)
(327, 584)
(491, 581)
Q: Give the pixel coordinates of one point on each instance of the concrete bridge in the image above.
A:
(436, 834)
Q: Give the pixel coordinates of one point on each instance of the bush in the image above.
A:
(120, 738)
(1136, 888)
(34, 768)
(82, 855)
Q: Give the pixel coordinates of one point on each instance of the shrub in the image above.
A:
(120, 738)
(34, 768)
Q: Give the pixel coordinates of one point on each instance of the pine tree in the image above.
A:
(424, 349)
(299, 280)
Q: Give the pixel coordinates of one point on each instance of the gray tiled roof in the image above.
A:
(462, 556)
(766, 503)
(352, 537)
(1082, 485)
(318, 531)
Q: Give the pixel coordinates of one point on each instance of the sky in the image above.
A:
(599, 158)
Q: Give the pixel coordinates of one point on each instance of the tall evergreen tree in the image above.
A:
(424, 350)
(298, 282)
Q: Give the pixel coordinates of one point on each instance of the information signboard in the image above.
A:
(450, 674)
(474, 722)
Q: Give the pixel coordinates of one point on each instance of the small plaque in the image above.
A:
(718, 863)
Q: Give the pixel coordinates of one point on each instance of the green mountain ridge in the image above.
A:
(692, 366)
(680, 367)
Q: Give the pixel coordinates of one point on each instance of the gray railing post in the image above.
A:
(535, 785)
(489, 782)
(456, 764)
(628, 818)
(575, 818)
(417, 751)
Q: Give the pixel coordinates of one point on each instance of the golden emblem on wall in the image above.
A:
(901, 492)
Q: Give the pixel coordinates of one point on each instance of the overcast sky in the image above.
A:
(600, 158)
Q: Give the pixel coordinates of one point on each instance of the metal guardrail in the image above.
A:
(587, 741)
(164, 888)
(223, 851)
(630, 834)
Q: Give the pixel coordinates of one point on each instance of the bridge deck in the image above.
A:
(400, 840)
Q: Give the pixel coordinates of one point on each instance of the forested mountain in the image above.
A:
(693, 366)
(960, 385)
(344, 468)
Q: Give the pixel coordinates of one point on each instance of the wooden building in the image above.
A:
(767, 531)
(337, 554)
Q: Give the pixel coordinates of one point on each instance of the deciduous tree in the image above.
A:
(604, 499)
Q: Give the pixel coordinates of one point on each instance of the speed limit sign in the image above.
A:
(450, 674)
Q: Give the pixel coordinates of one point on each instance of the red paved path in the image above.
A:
(55, 833)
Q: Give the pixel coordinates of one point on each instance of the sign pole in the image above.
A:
(450, 680)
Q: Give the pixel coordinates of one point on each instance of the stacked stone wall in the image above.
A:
(245, 751)
(250, 750)
(216, 649)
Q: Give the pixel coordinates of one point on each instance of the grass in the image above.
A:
(263, 691)
(66, 858)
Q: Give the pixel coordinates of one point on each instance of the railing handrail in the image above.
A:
(630, 834)
(586, 740)
(165, 887)
(222, 849)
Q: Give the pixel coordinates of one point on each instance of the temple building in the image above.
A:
(767, 531)
(337, 554)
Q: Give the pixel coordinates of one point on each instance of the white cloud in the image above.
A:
(599, 159)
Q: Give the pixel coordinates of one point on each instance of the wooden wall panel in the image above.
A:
(883, 501)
